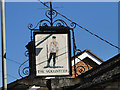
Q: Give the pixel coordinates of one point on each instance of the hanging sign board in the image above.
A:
(52, 53)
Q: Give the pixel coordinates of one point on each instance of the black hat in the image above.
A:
(54, 37)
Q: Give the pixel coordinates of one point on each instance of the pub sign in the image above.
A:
(52, 53)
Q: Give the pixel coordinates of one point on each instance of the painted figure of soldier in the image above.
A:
(53, 52)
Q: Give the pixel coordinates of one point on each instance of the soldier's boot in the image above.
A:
(48, 65)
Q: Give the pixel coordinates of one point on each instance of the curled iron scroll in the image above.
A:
(60, 23)
(73, 25)
(30, 26)
(25, 71)
(57, 22)
(82, 68)
(26, 53)
(48, 13)
(43, 22)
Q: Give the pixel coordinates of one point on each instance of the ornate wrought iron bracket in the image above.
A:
(53, 22)
(25, 71)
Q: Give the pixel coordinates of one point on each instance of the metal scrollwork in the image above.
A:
(73, 25)
(30, 26)
(78, 51)
(51, 15)
(54, 13)
(81, 69)
(48, 13)
(60, 23)
(27, 53)
(25, 70)
(44, 22)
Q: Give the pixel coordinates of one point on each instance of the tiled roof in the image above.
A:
(106, 72)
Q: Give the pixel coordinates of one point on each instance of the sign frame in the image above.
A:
(54, 30)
